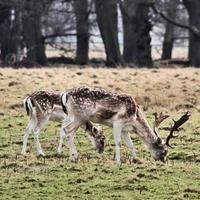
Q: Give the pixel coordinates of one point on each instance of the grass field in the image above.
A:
(97, 176)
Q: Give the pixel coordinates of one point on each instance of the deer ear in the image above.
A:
(159, 141)
(94, 130)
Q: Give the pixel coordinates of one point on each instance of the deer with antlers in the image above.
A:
(43, 106)
(83, 104)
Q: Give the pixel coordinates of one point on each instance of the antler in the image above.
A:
(176, 126)
(158, 120)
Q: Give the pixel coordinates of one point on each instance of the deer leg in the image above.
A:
(27, 132)
(36, 134)
(62, 135)
(129, 144)
(72, 147)
(70, 131)
(117, 138)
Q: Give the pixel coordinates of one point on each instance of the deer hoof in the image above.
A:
(73, 158)
(137, 161)
(40, 154)
(23, 153)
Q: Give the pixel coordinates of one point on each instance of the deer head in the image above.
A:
(160, 147)
(99, 139)
(96, 136)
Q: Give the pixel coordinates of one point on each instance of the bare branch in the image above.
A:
(58, 35)
(192, 29)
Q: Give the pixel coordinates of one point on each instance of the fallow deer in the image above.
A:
(119, 111)
(43, 106)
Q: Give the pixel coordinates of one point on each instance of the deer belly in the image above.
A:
(99, 119)
(129, 128)
(57, 116)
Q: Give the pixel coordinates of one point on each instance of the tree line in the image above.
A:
(33, 24)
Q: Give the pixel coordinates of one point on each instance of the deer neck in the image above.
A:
(144, 131)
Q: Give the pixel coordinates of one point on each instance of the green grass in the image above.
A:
(94, 176)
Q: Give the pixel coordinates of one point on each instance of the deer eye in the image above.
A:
(159, 141)
(95, 130)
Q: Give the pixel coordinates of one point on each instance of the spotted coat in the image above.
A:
(86, 98)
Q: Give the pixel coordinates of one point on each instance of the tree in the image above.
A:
(193, 7)
(5, 29)
(10, 29)
(82, 30)
(129, 31)
(32, 31)
(108, 25)
(168, 41)
(137, 27)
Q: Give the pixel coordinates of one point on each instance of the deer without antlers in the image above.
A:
(43, 106)
(115, 110)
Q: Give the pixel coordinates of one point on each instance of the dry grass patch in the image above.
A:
(152, 88)
(94, 176)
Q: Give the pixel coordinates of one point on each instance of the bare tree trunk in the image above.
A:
(32, 32)
(82, 30)
(16, 31)
(137, 27)
(168, 42)
(144, 40)
(10, 30)
(193, 7)
(129, 32)
(5, 29)
(169, 31)
(108, 24)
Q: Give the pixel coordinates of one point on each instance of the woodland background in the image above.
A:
(117, 32)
